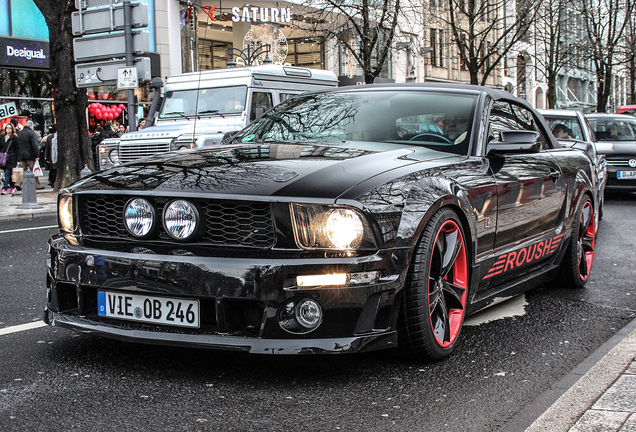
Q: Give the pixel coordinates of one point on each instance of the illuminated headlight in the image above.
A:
(139, 217)
(65, 213)
(326, 227)
(180, 219)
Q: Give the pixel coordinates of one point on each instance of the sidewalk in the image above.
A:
(598, 395)
(45, 197)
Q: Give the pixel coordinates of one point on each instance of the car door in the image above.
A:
(530, 196)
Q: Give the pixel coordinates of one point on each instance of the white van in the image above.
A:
(199, 108)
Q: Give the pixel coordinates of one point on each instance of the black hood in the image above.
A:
(261, 170)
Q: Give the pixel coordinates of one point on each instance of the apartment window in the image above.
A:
(437, 43)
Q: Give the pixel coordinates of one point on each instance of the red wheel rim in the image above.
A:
(585, 241)
(447, 284)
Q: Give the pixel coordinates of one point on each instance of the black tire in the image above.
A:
(577, 262)
(436, 290)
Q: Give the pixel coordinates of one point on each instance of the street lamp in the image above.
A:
(249, 55)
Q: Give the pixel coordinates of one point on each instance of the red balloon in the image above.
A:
(122, 107)
(98, 115)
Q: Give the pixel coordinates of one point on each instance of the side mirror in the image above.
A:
(515, 141)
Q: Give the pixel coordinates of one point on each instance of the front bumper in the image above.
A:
(240, 298)
(616, 184)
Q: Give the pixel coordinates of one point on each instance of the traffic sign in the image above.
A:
(106, 73)
(106, 46)
(95, 3)
(100, 20)
(127, 78)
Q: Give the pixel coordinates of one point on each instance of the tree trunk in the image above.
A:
(551, 93)
(70, 103)
(604, 86)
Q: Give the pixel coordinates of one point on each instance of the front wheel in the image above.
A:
(436, 289)
(579, 255)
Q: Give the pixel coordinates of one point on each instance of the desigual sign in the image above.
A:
(24, 53)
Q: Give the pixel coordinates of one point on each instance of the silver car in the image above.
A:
(572, 128)
(616, 139)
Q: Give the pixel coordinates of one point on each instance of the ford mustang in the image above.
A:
(340, 221)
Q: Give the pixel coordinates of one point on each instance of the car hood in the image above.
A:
(316, 171)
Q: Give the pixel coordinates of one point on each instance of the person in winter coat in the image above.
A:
(29, 149)
(51, 154)
(11, 147)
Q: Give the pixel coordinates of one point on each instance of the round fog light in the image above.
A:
(309, 314)
(300, 316)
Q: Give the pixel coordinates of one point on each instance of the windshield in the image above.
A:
(210, 101)
(614, 128)
(438, 120)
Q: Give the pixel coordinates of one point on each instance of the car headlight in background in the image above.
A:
(139, 217)
(65, 213)
(180, 219)
(328, 227)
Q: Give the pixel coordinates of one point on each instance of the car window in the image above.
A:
(423, 118)
(509, 116)
(614, 128)
(564, 127)
(260, 100)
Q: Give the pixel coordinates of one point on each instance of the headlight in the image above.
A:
(180, 219)
(139, 217)
(113, 156)
(326, 227)
(65, 213)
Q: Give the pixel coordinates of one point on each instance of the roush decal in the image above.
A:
(526, 255)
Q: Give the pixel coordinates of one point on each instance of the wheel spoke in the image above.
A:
(453, 246)
(587, 244)
(453, 295)
(586, 218)
(440, 320)
(583, 270)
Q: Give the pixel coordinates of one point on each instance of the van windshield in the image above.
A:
(204, 102)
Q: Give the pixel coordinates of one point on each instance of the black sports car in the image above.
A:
(342, 221)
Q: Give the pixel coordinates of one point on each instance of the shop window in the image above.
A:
(306, 52)
(213, 54)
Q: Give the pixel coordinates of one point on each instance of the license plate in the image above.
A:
(625, 174)
(156, 310)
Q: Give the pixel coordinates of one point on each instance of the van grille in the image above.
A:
(133, 150)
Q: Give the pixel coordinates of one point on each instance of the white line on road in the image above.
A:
(29, 229)
(22, 327)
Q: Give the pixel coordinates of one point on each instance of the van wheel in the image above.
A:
(436, 290)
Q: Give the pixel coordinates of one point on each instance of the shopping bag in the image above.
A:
(37, 170)
(16, 175)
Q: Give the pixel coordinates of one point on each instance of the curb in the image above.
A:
(558, 408)
(29, 214)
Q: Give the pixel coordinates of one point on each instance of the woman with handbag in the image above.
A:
(11, 148)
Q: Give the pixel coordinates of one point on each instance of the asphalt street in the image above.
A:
(56, 380)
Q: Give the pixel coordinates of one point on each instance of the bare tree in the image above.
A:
(484, 31)
(74, 149)
(365, 28)
(606, 22)
(554, 32)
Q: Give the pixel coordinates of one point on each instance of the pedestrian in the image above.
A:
(142, 124)
(51, 154)
(122, 129)
(96, 138)
(10, 146)
(29, 149)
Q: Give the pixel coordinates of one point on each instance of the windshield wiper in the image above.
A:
(175, 113)
(211, 112)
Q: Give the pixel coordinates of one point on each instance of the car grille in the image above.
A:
(133, 150)
(619, 162)
(228, 223)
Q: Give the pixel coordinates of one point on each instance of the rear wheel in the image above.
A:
(436, 289)
(577, 262)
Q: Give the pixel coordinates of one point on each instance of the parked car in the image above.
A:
(571, 128)
(627, 109)
(616, 139)
(320, 229)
